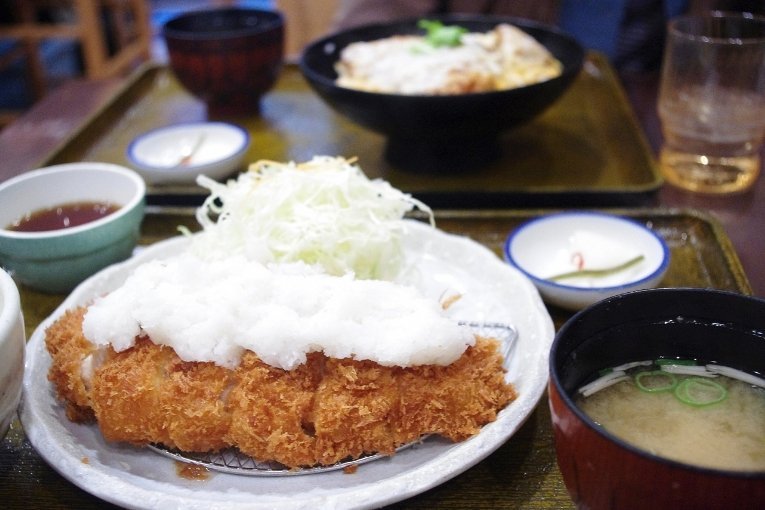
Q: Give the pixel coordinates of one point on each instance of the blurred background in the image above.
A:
(44, 43)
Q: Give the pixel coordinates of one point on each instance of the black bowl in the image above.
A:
(599, 469)
(440, 132)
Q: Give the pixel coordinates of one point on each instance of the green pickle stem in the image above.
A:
(606, 271)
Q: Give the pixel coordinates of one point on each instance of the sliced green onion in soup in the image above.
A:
(655, 381)
(671, 361)
(699, 392)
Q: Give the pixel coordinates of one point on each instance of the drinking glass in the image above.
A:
(712, 101)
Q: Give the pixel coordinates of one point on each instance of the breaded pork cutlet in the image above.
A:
(324, 411)
(356, 410)
(148, 395)
(271, 410)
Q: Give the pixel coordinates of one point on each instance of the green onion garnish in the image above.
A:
(669, 361)
(655, 381)
(699, 392)
(439, 35)
(598, 272)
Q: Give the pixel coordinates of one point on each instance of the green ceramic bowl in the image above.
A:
(55, 261)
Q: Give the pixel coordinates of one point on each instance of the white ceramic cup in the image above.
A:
(12, 345)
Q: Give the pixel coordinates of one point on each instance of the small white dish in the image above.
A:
(180, 152)
(607, 254)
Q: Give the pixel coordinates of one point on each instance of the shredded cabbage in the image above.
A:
(324, 212)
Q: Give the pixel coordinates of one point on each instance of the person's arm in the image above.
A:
(359, 12)
(352, 13)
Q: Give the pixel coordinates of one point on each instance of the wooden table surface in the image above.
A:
(521, 474)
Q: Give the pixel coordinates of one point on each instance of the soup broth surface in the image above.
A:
(728, 434)
(62, 216)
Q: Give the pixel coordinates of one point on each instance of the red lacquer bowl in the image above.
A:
(601, 471)
(228, 58)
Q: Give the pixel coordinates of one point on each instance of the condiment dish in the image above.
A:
(55, 260)
(12, 344)
(600, 469)
(578, 258)
(438, 133)
(180, 152)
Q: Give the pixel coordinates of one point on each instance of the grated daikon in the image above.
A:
(212, 310)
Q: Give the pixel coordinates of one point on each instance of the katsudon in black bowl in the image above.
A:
(443, 89)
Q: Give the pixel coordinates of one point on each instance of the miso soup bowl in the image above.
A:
(55, 261)
(227, 57)
(602, 471)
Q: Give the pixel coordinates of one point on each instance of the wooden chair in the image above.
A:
(113, 36)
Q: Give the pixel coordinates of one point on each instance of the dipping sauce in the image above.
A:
(62, 216)
(191, 471)
(707, 420)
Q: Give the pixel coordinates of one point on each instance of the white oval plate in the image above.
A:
(439, 264)
(214, 149)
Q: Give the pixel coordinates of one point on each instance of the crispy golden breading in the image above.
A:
(125, 398)
(324, 411)
(147, 394)
(68, 347)
(355, 410)
(454, 400)
(194, 400)
(271, 410)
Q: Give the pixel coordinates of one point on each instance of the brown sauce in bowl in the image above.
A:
(62, 216)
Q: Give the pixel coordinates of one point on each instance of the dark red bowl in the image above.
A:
(228, 58)
(458, 131)
(602, 471)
